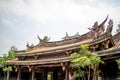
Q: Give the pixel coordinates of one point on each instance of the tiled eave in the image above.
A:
(61, 49)
(39, 62)
(109, 52)
(59, 60)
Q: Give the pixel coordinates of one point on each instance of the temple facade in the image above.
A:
(50, 60)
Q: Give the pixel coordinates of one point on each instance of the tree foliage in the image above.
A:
(85, 64)
(118, 63)
(3, 62)
(6, 69)
(6, 57)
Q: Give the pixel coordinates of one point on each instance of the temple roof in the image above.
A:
(110, 51)
(68, 44)
(44, 46)
(44, 50)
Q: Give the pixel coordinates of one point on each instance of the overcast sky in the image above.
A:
(22, 20)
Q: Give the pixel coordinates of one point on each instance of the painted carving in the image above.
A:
(29, 46)
(13, 48)
(98, 30)
(109, 27)
(42, 42)
(70, 37)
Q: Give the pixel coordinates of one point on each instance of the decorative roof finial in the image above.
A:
(110, 26)
(13, 48)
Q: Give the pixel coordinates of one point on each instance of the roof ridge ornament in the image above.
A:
(98, 30)
(69, 37)
(42, 42)
(13, 48)
(29, 46)
(118, 28)
(109, 27)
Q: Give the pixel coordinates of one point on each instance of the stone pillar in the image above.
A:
(19, 74)
(33, 74)
(66, 73)
(8, 75)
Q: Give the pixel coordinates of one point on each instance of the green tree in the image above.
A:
(6, 68)
(118, 63)
(85, 63)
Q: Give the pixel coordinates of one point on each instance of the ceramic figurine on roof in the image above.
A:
(66, 36)
(42, 42)
(29, 46)
(109, 27)
(98, 30)
(118, 28)
(69, 37)
(13, 48)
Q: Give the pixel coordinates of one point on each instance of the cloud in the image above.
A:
(5, 43)
(59, 12)
(7, 22)
(45, 11)
(28, 18)
(50, 14)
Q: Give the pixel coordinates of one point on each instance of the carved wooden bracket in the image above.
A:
(63, 66)
(36, 57)
(21, 57)
(17, 68)
(29, 68)
(68, 52)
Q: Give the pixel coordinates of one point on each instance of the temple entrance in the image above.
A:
(50, 76)
(38, 76)
(50, 73)
(25, 76)
(14, 75)
(40, 73)
(109, 70)
(55, 73)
